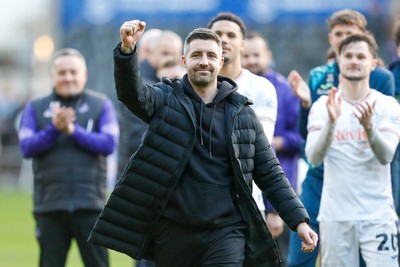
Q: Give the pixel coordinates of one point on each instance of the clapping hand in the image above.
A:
(334, 105)
(63, 119)
(300, 88)
(364, 114)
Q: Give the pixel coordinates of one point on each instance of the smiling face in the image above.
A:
(231, 38)
(203, 60)
(69, 75)
(356, 61)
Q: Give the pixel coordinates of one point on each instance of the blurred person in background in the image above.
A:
(192, 174)
(341, 24)
(172, 68)
(231, 29)
(11, 105)
(156, 46)
(168, 44)
(287, 141)
(68, 135)
(147, 43)
(355, 131)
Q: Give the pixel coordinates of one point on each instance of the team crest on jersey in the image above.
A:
(49, 112)
(324, 88)
(83, 108)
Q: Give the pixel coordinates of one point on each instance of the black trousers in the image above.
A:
(184, 246)
(55, 231)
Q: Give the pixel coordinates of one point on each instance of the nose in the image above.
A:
(223, 38)
(354, 61)
(251, 60)
(68, 76)
(204, 61)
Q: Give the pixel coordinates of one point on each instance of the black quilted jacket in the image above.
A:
(149, 178)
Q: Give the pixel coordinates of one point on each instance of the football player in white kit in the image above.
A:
(355, 131)
(231, 30)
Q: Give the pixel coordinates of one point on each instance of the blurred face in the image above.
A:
(231, 37)
(356, 62)
(166, 47)
(255, 56)
(171, 72)
(69, 75)
(339, 33)
(203, 60)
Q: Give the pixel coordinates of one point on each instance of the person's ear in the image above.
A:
(242, 45)
(374, 64)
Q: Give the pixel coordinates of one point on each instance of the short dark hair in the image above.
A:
(347, 17)
(200, 34)
(396, 32)
(254, 34)
(367, 38)
(230, 17)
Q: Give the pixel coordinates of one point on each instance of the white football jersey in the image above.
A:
(263, 94)
(356, 185)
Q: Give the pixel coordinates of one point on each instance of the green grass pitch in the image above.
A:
(18, 245)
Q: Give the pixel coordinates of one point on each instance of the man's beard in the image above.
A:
(201, 82)
(259, 72)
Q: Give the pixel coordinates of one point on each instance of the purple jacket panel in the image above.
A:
(286, 127)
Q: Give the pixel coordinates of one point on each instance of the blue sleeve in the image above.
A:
(383, 81)
(106, 139)
(32, 141)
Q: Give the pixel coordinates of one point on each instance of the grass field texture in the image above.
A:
(18, 245)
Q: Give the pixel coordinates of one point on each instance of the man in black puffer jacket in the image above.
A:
(184, 198)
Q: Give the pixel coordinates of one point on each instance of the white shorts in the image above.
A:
(341, 242)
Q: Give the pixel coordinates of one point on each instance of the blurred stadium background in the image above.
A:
(32, 30)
